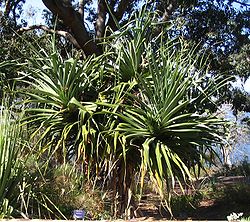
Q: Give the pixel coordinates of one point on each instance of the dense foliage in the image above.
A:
(138, 109)
(221, 27)
(136, 105)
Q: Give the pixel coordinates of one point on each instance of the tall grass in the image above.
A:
(10, 164)
(21, 187)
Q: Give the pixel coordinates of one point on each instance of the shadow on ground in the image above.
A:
(216, 204)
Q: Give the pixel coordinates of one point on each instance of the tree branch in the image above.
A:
(7, 8)
(118, 14)
(101, 18)
(122, 8)
(65, 34)
(81, 9)
(71, 18)
(169, 10)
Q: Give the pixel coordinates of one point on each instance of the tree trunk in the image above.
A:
(118, 14)
(81, 9)
(64, 10)
(127, 205)
(101, 18)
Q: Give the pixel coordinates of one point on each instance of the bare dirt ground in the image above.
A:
(208, 210)
(213, 207)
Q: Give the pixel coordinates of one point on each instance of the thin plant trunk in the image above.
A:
(126, 205)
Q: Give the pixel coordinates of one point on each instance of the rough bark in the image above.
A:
(7, 8)
(74, 20)
(125, 189)
(64, 10)
(101, 18)
(81, 9)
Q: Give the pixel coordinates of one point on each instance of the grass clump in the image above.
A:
(185, 205)
(66, 190)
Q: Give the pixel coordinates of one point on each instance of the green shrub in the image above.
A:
(56, 192)
(235, 195)
(244, 219)
(240, 169)
(5, 209)
(184, 205)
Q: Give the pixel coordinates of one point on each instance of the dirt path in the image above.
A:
(216, 206)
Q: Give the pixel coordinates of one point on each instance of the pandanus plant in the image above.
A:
(162, 122)
(136, 110)
(161, 135)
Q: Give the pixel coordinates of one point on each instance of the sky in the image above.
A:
(36, 6)
(247, 86)
(35, 3)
